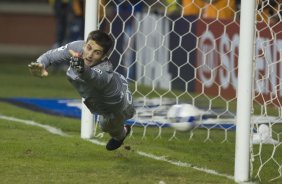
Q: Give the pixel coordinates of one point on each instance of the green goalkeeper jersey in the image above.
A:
(105, 91)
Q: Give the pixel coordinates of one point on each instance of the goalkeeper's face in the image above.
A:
(92, 53)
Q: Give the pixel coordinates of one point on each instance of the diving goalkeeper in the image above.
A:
(91, 73)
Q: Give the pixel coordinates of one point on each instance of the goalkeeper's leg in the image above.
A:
(115, 127)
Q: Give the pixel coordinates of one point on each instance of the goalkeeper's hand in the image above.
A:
(37, 69)
(77, 62)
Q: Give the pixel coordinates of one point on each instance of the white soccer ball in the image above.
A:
(183, 117)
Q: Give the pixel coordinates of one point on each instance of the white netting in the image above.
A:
(186, 51)
(266, 156)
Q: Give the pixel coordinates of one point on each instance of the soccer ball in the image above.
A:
(183, 117)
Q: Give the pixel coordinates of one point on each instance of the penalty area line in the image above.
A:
(57, 131)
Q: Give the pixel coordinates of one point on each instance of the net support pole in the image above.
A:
(91, 22)
(244, 91)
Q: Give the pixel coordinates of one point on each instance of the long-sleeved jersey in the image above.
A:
(104, 90)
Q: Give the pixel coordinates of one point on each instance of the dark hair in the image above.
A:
(102, 39)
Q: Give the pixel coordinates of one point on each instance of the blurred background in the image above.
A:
(34, 26)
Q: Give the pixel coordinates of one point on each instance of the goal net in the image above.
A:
(186, 52)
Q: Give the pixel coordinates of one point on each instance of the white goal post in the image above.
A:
(173, 58)
(91, 22)
(244, 91)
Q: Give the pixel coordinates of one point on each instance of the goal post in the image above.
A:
(244, 91)
(91, 22)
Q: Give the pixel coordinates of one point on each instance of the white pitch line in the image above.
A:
(183, 164)
(95, 141)
(57, 131)
(50, 129)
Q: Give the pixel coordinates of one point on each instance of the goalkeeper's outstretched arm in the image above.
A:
(58, 55)
(37, 69)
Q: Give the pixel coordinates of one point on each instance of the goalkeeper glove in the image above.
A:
(77, 63)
